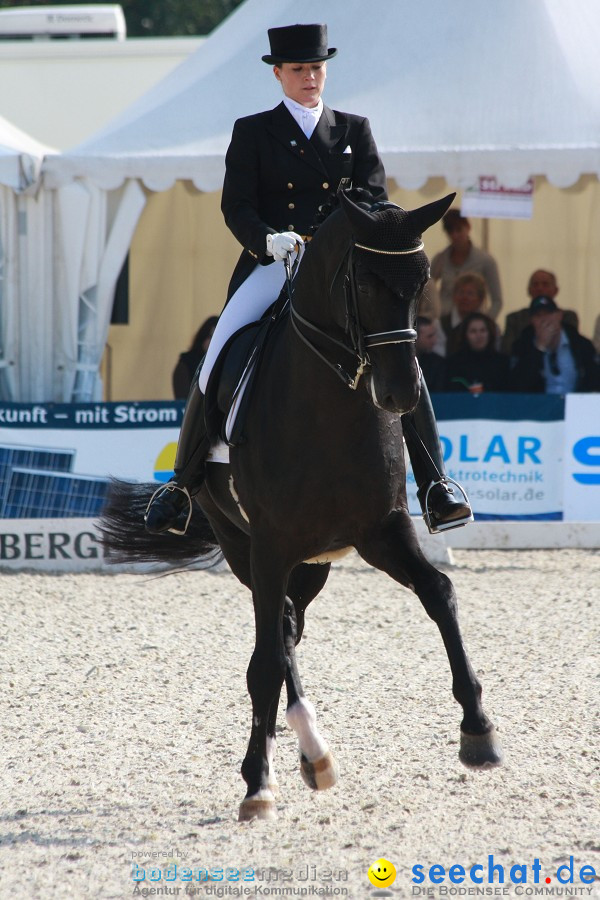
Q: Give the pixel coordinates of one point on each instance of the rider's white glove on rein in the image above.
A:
(279, 245)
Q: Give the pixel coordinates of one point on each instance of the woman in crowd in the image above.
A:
(468, 296)
(477, 366)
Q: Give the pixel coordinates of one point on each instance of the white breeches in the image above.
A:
(250, 301)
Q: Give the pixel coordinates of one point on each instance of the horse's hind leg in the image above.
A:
(394, 549)
(317, 765)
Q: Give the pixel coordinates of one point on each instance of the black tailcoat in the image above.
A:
(276, 178)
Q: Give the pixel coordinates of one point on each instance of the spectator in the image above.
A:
(542, 283)
(429, 302)
(551, 356)
(461, 256)
(477, 366)
(189, 361)
(429, 308)
(432, 364)
(596, 337)
(468, 296)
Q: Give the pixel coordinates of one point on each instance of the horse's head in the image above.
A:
(388, 272)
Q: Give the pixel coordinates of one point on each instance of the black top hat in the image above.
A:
(542, 304)
(299, 43)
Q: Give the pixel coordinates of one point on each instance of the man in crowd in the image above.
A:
(551, 356)
(542, 283)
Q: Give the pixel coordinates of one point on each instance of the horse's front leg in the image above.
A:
(394, 548)
(265, 676)
(318, 767)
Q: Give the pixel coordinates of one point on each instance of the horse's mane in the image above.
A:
(358, 195)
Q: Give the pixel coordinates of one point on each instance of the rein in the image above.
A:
(360, 342)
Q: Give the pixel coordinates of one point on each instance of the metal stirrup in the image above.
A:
(435, 527)
(170, 486)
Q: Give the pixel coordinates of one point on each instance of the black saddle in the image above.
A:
(238, 363)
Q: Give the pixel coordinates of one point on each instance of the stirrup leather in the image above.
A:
(171, 486)
(435, 527)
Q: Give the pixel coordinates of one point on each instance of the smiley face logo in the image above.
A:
(381, 873)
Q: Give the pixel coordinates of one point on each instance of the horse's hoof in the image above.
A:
(257, 808)
(480, 751)
(320, 774)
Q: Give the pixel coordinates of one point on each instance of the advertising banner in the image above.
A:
(581, 468)
(50, 544)
(56, 459)
(55, 464)
(506, 450)
(489, 199)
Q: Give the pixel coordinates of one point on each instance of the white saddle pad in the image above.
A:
(218, 453)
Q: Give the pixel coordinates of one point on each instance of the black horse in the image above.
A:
(322, 471)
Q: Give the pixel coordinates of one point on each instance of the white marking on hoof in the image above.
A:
(260, 806)
(321, 774)
(302, 718)
(318, 768)
(236, 498)
(329, 556)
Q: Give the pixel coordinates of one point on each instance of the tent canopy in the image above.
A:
(509, 88)
(20, 157)
(25, 266)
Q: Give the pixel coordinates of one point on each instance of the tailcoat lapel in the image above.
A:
(328, 134)
(315, 151)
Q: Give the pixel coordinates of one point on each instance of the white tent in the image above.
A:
(20, 157)
(456, 90)
(25, 267)
(453, 89)
(55, 277)
(92, 233)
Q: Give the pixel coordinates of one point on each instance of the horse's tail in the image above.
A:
(126, 540)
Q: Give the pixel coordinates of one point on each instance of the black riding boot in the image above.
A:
(170, 508)
(443, 505)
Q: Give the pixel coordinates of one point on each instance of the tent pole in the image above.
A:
(485, 235)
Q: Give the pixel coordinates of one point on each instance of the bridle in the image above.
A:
(360, 342)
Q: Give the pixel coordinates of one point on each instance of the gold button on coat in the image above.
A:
(290, 227)
(325, 184)
(291, 206)
(290, 185)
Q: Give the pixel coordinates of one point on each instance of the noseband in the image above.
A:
(360, 342)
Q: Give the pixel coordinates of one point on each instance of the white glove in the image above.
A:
(279, 245)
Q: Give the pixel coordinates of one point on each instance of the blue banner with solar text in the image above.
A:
(507, 450)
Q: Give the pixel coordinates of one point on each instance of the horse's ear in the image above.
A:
(361, 220)
(419, 220)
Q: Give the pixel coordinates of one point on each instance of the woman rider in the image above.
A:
(281, 166)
